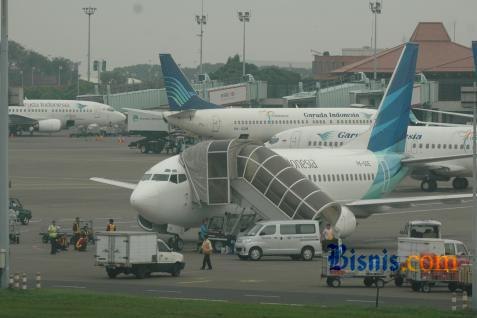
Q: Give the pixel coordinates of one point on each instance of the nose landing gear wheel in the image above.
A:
(429, 185)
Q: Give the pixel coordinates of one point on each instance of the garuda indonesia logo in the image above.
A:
(80, 106)
(326, 135)
(176, 91)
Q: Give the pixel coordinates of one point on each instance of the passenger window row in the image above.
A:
(270, 122)
(325, 143)
(40, 110)
(440, 146)
(341, 177)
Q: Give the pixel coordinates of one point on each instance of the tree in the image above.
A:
(231, 72)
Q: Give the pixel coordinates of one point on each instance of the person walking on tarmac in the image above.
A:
(52, 235)
(76, 230)
(328, 237)
(82, 243)
(111, 227)
(207, 251)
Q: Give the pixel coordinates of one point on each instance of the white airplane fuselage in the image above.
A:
(422, 141)
(345, 175)
(262, 123)
(67, 113)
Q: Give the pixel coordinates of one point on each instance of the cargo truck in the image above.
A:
(137, 253)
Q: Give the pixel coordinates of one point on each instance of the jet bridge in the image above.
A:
(238, 171)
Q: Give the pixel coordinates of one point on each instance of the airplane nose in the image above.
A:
(120, 117)
(143, 199)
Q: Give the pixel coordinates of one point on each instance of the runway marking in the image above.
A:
(198, 299)
(163, 291)
(360, 301)
(69, 286)
(251, 281)
(195, 281)
(280, 304)
(425, 210)
(262, 296)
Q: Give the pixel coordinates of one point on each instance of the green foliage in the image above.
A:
(62, 303)
(231, 72)
(58, 92)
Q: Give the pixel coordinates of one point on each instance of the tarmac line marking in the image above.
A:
(425, 210)
(163, 291)
(360, 301)
(199, 299)
(69, 286)
(280, 304)
(262, 296)
(194, 281)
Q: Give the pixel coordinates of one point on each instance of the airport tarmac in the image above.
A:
(50, 176)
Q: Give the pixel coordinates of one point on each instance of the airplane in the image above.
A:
(356, 178)
(54, 115)
(208, 120)
(421, 141)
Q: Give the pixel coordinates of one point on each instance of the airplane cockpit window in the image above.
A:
(173, 178)
(160, 177)
(147, 176)
(182, 178)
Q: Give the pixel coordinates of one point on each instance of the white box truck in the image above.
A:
(138, 253)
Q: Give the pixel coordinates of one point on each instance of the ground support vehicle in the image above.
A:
(147, 145)
(423, 280)
(137, 253)
(422, 249)
(86, 229)
(223, 230)
(14, 233)
(334, 275)
(464, 278)
(22, 215)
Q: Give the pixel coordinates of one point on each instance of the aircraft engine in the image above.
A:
(48, 125)
(346, 223)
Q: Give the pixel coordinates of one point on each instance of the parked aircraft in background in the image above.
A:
(209, 120)
(421, 141)
(355, 177)
(54, 115)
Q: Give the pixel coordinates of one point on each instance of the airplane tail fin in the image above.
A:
(390, 126)
(180, 94)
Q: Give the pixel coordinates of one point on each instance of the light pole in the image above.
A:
(201, 20)
(59, 74)
(32, 71)
(21, 74)
(89, 11)
(474, 174)
(77, 78)
(4, 215)
(244, 16)
(376, 8)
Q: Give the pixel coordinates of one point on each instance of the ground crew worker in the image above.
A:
(52, 235)
(82, 243)
(111, 227)
(76, 230)
(203, 231)
(207, 251)
(328, 237)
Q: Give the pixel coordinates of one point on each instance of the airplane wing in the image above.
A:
(365, 208)
(425, 160)
(120, 184)
(21, 121)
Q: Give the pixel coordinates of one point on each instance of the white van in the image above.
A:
(297, 239)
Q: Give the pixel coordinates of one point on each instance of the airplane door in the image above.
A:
(97, 114)
(295, 139)
(215, 124)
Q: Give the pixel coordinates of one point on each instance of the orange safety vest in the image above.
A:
(111, 228)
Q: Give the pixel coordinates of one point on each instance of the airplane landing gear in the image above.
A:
(460, 183)
(429, 185)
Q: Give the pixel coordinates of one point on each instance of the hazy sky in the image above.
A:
(130, 32)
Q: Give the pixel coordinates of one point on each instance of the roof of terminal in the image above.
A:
(437, 53)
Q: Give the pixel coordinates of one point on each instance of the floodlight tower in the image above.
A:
(201, 20)
(244, 16)
(376, 8)
(89, 11)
